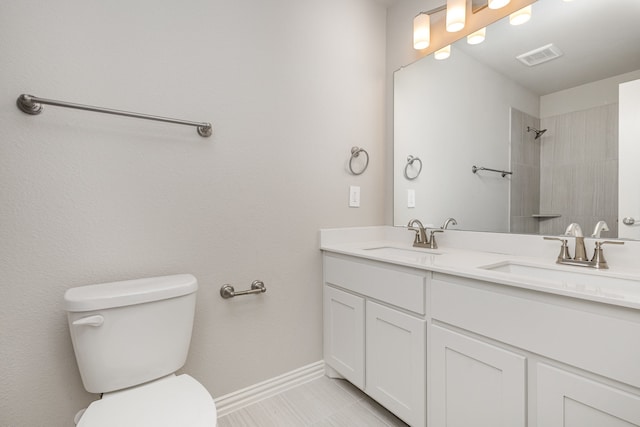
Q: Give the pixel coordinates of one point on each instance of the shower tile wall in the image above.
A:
(579, 170)
(525, 180)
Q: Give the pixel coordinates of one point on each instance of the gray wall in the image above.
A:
(524, 200)
(290, 86)
(579, 169)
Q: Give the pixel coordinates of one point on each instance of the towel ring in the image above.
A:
(410, 161)
(355, 152)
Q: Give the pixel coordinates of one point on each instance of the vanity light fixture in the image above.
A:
(497, 4)
(521, 16)
(477, 37)
(457, 24)
(443, 53)
(456, 12)
(421, 31)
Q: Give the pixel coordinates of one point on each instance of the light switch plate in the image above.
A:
(354, 196)
(411, 198)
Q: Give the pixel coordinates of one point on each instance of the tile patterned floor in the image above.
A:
(323, 402)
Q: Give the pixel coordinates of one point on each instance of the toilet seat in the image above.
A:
(176, 401)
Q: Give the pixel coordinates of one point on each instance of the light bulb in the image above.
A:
(477, 37)
(497, 4)
(456, 11)
(521, 16)
(421, 31)
(443, 53)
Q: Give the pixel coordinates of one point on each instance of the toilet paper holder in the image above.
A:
(257, 287)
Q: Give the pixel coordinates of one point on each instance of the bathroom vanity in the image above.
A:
(458, 337)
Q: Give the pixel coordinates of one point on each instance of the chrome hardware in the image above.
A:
(257, 287)
(574, 230)
(33, 105)
(600, 227)
(564, 250)
(432, 238)
(597, 261)
(475, 169)
(422, 240)
(410, 161)
(355, 152)
(449, 221)
(628, 220)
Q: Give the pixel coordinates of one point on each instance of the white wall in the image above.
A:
(290, 86)
(586, 96)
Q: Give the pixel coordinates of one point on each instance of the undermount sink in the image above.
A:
(394, 252)
(591, 281)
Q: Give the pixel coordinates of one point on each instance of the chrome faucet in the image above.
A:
(421, 236)
(574, 230)
(449, 221)
(600, 227)
(422, 240)
(597, 261)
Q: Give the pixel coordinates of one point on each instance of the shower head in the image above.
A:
(537, 132)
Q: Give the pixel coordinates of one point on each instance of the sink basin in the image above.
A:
(417, 254)
(592, 281)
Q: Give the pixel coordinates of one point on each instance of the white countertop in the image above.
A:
(617, 286)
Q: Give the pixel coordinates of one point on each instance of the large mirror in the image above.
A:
(550, 131)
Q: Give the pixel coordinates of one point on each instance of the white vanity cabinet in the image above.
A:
(504, 356)
(570, 400)
(474, 383)
(375, 332)
(344, 334)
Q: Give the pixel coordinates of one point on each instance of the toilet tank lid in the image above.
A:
(128, 292)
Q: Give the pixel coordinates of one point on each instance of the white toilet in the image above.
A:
(129, 338)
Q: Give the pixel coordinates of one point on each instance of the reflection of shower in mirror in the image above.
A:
(538, 132)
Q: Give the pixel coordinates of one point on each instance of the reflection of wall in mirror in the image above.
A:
(455, 114)
(452, 115)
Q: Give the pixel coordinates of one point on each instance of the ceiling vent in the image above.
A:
(540, 55)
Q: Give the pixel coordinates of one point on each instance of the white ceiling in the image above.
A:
(599, 39)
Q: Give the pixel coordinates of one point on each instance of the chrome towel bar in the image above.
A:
(475, 169)
(257, 287)
(33, 105)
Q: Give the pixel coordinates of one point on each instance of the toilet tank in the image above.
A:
(131, 332)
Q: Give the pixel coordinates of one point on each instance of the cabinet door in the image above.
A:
(474, 383)
(396, 362)
(344, 334)
(569, 400)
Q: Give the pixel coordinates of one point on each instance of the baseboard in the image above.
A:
(257, 392)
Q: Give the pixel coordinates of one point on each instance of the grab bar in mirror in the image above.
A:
(475, 169)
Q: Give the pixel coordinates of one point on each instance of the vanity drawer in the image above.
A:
(392, 285)
(583, 334)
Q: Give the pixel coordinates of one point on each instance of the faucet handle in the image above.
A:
(564, 249)
(432, 237)
(610, 242)
(598, 260)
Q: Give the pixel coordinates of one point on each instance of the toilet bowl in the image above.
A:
(130, 338)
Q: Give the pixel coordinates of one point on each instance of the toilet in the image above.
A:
(130, 338)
